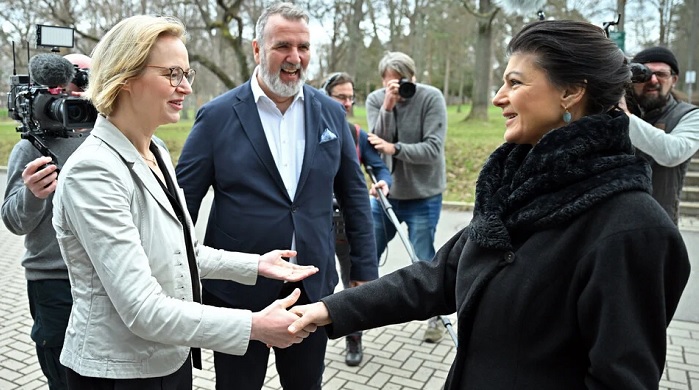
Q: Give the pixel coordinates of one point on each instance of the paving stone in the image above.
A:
(352, 377)
(407, 383)
(369, 368)
(422, 374)
(677, 375)
(672, 367)
(396, 372)
(666, 385)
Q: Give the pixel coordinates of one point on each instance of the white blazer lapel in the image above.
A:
(115, 139)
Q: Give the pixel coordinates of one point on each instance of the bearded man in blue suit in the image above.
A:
(274, 151)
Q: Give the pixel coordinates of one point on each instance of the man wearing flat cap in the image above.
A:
(664, 131)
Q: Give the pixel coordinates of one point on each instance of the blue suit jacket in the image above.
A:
(252, 211)
(371, 158)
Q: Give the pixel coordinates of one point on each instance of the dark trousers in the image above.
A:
(178, 380)
(342, 251)
(300, 366)
(49, 304)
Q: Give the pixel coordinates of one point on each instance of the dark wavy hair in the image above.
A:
(574, 53)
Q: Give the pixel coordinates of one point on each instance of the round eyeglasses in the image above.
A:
(177, 74)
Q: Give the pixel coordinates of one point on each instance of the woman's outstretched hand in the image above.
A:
(310, 317)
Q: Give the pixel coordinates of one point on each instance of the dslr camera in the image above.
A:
(406, 88)
(640, 73)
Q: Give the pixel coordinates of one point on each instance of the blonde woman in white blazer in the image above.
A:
(128, 241)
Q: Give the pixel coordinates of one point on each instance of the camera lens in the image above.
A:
(73, 113)
(406, 89)
(640, 73)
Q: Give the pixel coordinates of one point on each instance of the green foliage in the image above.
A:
(8, 136)
(468, 145)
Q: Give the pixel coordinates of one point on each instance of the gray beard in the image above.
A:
(275, 84)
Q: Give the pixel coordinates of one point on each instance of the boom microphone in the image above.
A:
(522, 7)
(51, 70)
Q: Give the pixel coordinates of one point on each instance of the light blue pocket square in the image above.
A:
(327, 136)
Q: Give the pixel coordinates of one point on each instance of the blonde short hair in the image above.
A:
(123, 54)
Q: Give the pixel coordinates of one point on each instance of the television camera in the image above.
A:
(40, 100)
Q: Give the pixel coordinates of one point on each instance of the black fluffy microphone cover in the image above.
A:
(51, 70)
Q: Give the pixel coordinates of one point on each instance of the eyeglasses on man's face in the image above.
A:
(662, 74)
(344, 98)
(177, 74)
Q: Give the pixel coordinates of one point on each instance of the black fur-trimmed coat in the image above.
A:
(566, 278)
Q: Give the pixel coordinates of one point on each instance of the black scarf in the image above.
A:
(522, 189)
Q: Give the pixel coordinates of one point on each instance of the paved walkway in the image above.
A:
(394, 357)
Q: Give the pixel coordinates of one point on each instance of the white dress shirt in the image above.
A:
(285, 135)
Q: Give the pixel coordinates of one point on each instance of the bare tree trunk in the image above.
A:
(393, 27)
(691, 46)
(480, 96)
(447, 67)
(355, 38)
(621, 9)
(661, 12)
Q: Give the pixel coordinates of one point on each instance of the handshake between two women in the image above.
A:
(281, 324)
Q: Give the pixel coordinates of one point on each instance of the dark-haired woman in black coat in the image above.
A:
(569, 273)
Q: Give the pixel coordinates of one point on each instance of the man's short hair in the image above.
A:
(398, 62)
(334, 79)
(287, 10)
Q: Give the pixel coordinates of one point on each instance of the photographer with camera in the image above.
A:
(409, 126)
(27, 210)
(663, 130)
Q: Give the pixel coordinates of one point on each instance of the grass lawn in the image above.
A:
(468, 145)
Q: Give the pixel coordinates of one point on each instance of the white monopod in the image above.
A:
(388, 209)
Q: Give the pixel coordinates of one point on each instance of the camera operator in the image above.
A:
(27, 210)
(340, 87)
(665, 132)
(82, 63)
(409, 126)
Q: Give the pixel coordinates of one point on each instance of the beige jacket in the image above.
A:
(133, 315)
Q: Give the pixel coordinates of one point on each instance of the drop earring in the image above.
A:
(567, 117)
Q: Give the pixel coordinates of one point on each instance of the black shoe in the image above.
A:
(354, 350)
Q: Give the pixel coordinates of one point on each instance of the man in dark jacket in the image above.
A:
(275, 151)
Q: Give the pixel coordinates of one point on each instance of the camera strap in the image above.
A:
(395, 119)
